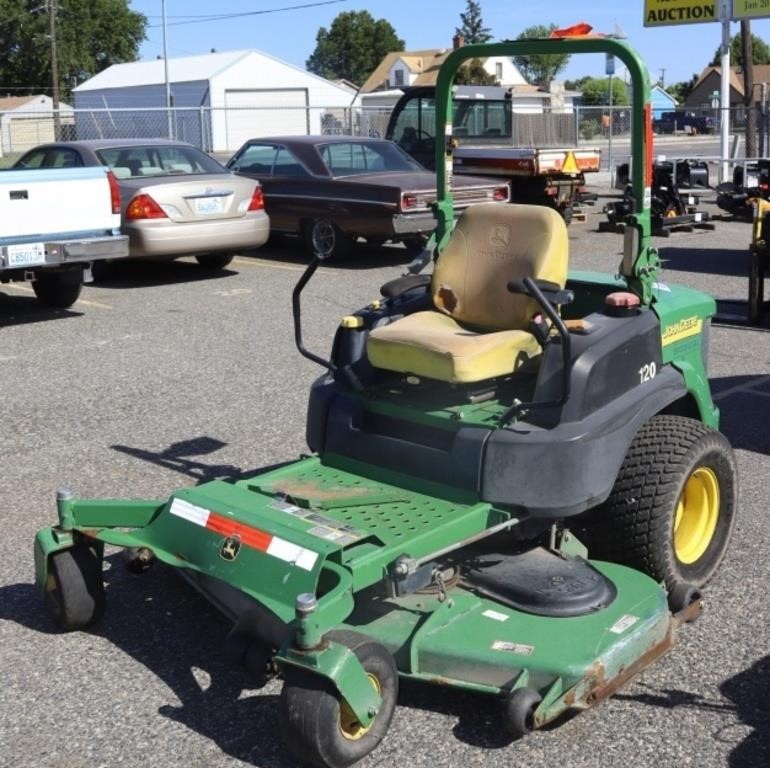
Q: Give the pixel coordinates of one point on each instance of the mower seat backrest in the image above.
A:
(478, 330)
(492, 244)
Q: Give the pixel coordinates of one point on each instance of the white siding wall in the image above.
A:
(511, 74)
(260, 73)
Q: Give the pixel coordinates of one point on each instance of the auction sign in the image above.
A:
(659, 13)
(750, 9)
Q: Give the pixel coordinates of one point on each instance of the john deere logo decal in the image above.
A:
(230, 548)
(681, 330)
(500, 236)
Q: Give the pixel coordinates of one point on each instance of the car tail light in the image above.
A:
(408, 200)
(144, 207)
(257, 200)
(500, 193)
(114, 192)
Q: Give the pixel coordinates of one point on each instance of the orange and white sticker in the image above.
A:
(249, 535)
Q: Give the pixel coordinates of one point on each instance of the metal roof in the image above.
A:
(183, 69)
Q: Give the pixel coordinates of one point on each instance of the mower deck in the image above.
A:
(253, 545)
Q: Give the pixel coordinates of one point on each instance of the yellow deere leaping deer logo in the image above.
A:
(230, 548)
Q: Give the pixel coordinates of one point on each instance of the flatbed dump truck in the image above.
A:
(483, 123)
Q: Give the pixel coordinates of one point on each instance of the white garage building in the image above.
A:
(219, 100)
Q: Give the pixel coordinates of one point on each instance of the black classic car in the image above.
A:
(332, 190)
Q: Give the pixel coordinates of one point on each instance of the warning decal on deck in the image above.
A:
(247, 535)
(325, 527)
(623, 623)
(496, 615)
(519, 648)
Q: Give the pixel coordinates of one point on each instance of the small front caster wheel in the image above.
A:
(251, 655)
(683, 596)
(74, 590)
(519, 711)
(138, 559)
(319, 727)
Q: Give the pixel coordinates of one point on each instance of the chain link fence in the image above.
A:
(222, 131)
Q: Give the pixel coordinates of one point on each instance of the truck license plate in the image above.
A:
(207, 205)
(26, 255)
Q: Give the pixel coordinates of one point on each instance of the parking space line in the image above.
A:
(84, 302)
(745, 387)
(255, 262)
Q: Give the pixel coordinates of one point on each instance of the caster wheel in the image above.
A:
(683, 596)
(138, 559)
(74, 590)
(253, 656)
(319, 727)
(519, 711)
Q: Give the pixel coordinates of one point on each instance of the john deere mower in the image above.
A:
(476, 433)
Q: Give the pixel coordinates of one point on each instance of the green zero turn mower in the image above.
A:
(476, 434)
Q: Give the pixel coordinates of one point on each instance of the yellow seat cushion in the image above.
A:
(436, 346)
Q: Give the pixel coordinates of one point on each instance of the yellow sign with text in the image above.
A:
(751, 9)
(659, 13)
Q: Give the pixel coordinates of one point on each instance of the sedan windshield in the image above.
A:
(133, 162)
(356, 157)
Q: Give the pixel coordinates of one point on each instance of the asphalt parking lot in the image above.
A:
(163, 375)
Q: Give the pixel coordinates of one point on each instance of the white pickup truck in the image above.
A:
(54, 224)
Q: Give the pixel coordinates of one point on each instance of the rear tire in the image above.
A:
(56, 290)
(74, 590)
(672, 508)
(214, 260)
(316, 724)
(324, 237)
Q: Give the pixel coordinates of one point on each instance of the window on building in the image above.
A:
(499, 70)
(398, 77)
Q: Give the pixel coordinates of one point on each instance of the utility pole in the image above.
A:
(662, 78)
(52, 9)
(748, 89)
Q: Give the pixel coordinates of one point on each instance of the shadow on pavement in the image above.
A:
(183, 456)
(145, 273)
(732, 263)
(748, 690)
(362, 255)
(744, 404)
(23, 310)
(165, 626)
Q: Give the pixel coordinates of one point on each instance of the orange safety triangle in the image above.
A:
(582, 28)
(570, 164)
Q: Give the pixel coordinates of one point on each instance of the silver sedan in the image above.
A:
(175, 199)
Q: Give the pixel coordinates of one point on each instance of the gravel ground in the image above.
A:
(163, 375)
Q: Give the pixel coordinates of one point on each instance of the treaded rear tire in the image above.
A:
(635, 526)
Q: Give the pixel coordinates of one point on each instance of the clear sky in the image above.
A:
(290, 34)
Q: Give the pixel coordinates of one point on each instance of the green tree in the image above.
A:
(353, 46)
(596, 91)
(760, 52)
(681, 90)
(91, 35)
(472, 28)
(473, 73)
(543, 67)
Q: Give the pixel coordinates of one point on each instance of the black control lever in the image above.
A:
(550, 295)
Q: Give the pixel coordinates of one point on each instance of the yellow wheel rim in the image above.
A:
(350, 725)
(697, 514)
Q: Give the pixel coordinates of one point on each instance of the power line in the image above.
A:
(226, 16)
